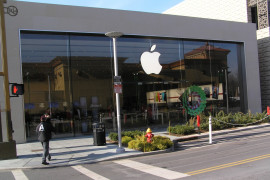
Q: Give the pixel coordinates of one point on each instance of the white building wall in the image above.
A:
(263, 33)
(229, 10)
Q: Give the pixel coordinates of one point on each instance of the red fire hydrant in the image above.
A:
(149, 135)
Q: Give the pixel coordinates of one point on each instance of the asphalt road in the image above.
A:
(240, 156)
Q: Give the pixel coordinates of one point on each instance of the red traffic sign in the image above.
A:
(117, 88)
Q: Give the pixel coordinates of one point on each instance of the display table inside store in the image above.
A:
(131, 115)
(143, 115)
(161, 115)
(62, 126)
(83, 125)
(173, 112)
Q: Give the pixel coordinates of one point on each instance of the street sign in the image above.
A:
(117, 80)
(117, 88)
(117, 84)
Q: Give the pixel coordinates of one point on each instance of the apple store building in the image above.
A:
(66, 63)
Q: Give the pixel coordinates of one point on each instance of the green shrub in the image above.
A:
(241, 118)
(204, 118)
(125, 140)
(204, 126)
(192, 121)
(225, 121)
(260, 116)
(216, 125)
(132, 144)
(138, 143)
(158, 143)
(181, 129)
(132, 134)
(149, 147)
(161, 146)
(113, 136)
(162, 142)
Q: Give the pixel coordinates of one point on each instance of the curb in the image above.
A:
(226, 131)
(217, 132)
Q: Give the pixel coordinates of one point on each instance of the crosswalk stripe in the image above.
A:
(19, 175)
(157, 171)
(89, 173)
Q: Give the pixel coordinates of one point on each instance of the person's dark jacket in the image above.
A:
(44, 131)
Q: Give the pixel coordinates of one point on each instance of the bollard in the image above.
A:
(210, 130)
(198, 121)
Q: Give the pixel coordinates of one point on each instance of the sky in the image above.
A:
(154, 6)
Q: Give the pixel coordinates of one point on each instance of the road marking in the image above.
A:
(157, 171)
(19, 175)
(89, 173)
(228, 165)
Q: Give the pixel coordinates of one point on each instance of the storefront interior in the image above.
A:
(70, 76)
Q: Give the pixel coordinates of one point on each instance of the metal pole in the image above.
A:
(49, 95)
(120, 148)
(71, 109)
(1, 135)
(5, 71)
(210, 130)
(227, 92)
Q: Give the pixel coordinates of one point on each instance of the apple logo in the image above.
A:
(150, 61)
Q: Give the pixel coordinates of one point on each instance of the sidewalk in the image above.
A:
(64, 152)
(80, 150)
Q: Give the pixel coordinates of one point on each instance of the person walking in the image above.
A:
(44, 131)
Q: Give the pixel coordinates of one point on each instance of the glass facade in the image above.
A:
(71, 76)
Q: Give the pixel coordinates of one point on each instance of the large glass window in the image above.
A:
(91, 67)
(71, 76)
(45, 61)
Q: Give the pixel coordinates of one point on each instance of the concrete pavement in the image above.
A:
(80, 150)
(64, 152)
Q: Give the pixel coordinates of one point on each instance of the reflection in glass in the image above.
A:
(71, 75)
(44, 78)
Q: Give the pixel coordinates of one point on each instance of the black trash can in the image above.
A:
(99, 134)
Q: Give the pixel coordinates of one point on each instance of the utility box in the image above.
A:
(99, 134)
